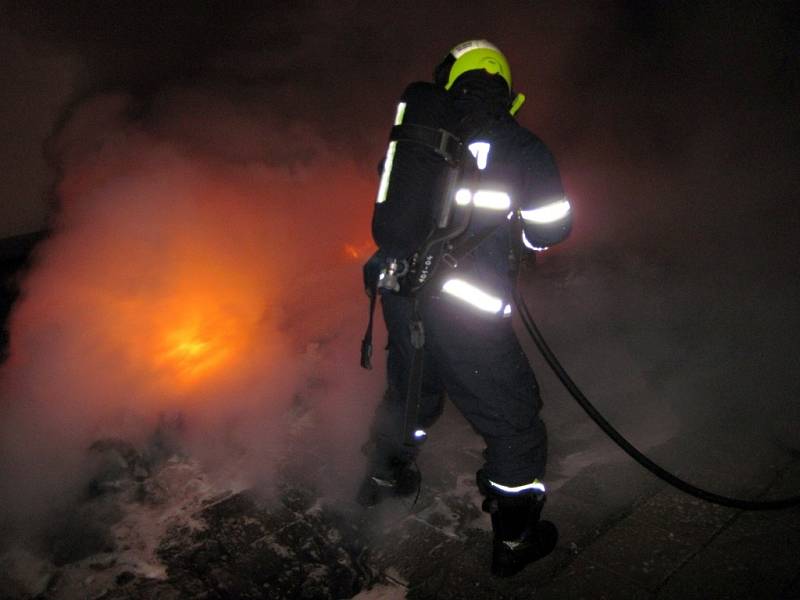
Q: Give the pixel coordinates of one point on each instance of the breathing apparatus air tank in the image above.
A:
(420, 167)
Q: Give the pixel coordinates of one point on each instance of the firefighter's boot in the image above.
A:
(397, 478)
(520, 537)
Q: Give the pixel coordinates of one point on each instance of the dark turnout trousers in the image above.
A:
(479, 364)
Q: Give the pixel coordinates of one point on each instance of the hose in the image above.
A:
(629, 448)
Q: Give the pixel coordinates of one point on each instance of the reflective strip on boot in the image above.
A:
(533, 486)
(383, 482)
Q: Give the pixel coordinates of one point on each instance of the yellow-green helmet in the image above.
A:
(475, 55)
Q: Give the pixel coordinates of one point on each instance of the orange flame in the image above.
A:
(168, 285)
(359, 251)
(192, 353)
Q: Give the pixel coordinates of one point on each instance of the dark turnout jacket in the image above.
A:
(519, 165)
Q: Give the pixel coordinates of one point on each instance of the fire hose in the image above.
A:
(630, 449)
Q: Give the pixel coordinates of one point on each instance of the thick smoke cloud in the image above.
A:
(188, 274)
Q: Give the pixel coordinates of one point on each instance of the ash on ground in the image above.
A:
(154, 524)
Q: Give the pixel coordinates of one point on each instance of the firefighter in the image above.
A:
(469, 351)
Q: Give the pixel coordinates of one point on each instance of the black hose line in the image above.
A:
(629, 448)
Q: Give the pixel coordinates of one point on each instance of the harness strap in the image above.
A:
(463, 247)
(444, 143)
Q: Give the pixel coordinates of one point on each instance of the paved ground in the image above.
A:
(624, 534)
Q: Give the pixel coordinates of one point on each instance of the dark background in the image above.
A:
(695, 102)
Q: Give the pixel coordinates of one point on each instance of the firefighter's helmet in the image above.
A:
(474, 55)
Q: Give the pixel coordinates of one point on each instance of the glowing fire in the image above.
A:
(192, 354)
(359, 251)
(191, 323)
(171, 283)
(197, 336)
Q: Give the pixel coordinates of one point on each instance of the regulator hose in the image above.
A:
(629, 448)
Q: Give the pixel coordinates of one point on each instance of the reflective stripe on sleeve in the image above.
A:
(549, 213)
(527, 243)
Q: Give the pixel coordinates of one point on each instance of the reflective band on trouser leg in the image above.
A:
(533, 486)
(549, 213)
